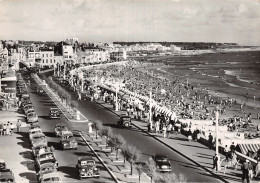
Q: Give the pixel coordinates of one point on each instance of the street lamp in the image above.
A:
(117, 90)
(150, 109)
(217, 115)
(64, 76)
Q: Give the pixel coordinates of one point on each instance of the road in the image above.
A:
(145, 143)
(67, 159)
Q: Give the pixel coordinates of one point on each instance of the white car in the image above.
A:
(34, 131)
(32, 117)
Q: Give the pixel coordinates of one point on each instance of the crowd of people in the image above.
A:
(6, 129)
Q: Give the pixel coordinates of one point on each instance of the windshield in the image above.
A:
(6, 180)
(51, 179)
(31, 114)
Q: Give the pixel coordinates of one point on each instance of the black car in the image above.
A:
(125, 121)
(162, 163)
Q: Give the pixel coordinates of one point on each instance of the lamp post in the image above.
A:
(117, 88)
(54, 68)
(217, 115)
(64, 76)
(150, 109)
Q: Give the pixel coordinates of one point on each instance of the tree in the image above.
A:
(107, 133)
(74, 104)
(116, 143)
(169, 178)
(140, 169)
(132, 155)
(97, 125)
(150, 169)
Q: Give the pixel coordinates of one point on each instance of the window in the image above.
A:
(50, 60)
(46, 61)
(42, 55)
(50, 55)
(46, 55)
(43, 61)
(54, 61)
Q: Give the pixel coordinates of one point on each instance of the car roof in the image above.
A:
(39, 145)
(45, 153)
(38, 134)
(50, 175)
(86, 158)
(35, 129)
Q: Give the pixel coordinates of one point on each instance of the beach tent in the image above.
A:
(250, 146)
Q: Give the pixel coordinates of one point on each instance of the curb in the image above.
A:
(109, 171)
(216, 175)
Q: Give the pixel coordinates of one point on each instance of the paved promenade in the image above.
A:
(16, 150)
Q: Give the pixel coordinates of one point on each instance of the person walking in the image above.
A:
(164, 131)
(18, 125)
(245, 172)
(215, 163)
(250, 171)
(157, 126)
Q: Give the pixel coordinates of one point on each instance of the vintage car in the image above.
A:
(32, 117)
(6, 175)
(125, 121)
(59, 128)
(45, 157)
(38, 148)
(50, 178)
(34, 131)
(54, 113)
(38, 138)
(46, 169)
(2, 164)
(162, 163)
(68, 141)
(34, 126)
(28, 109)
(24, 103)
(86, 168)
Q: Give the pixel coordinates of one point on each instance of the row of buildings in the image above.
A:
(42, 54)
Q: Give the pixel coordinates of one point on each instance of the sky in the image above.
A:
(236, 21)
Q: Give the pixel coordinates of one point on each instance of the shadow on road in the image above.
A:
(25, 140)
(27, 155)
(29, 175)
(50, 134)
(29, 164)
(83, 153)
(69, 172)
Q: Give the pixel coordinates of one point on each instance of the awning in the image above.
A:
(246, 147)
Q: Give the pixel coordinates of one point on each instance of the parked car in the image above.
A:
(46, 169)
(34, 126)
(34, 131)
(59, 128)
(50, 178)
(162, 163)
(54, 113)
(39, 147)
(38, 138)
(28, 109)
(6, 175)
(86, 168)
(32, 117)
(68, 141)
(46, 157)
(124, 121)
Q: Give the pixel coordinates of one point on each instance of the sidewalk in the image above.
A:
(16, 150)
(196, 152)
